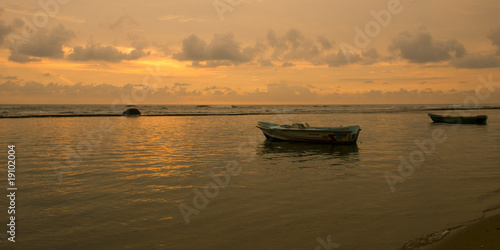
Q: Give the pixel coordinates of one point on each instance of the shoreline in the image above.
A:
(115, 115)
(212, 112)
(482, 234)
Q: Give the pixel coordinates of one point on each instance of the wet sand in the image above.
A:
(484, 234)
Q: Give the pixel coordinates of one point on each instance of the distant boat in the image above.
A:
(304, 133)
(480, 119)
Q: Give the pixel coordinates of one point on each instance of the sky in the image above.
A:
(249, 51)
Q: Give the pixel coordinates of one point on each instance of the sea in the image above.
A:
(204, 177)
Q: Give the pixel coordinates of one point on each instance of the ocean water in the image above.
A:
(72, 110)
(213, 182)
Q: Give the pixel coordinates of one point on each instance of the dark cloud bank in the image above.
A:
(275, 49)
(97, 52)
(225, 50)
(179, 93)
(421, 47)
(49, 43)
(416, 46)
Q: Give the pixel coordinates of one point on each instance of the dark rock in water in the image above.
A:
(132, 111)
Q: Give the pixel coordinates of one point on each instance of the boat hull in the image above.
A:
(340, 135)
(480, 119)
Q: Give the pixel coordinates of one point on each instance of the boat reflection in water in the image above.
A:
(302, 148)
(297, 155)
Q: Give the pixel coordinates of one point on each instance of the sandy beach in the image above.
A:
(484, 234)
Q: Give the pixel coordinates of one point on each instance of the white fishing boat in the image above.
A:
(305, 133)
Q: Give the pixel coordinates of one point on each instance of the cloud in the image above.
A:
(29, 92)
(106, 93)
(97, 52)
(325, 43)
(122, 22)
(32, 89)
(398, 79)
(340, 59)
(218, 91)
(179, 18)
(223, 49)
(295, 46)
(370, 56)
(494, 36)
(279, 93)
(211, 64)
(193, 48)
(282, 92)
(4, 30)
(286, 49)
(476, 61)
(181, 84)
(479, 61)
(265, 62)
(48, 44)
(9, 77)
(420, 47)
(100, 92)
(22, 58)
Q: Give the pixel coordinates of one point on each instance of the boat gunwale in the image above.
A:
(461, 117)
(278, 127)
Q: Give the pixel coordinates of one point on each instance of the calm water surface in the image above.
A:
(117, 183)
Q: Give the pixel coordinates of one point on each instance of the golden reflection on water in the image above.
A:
(125, 192)
(153, 147)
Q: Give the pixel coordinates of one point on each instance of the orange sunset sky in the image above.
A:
(247, 51)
